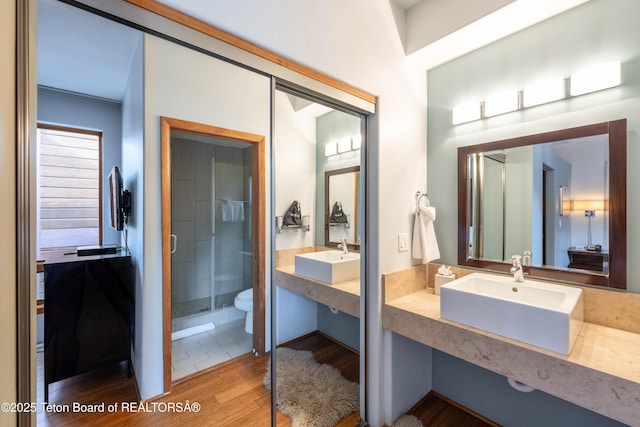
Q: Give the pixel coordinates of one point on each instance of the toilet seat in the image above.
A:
(246, 295)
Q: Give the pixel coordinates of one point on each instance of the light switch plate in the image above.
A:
(403, 242)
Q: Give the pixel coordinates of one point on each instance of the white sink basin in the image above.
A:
(328, 266)
(537, 313)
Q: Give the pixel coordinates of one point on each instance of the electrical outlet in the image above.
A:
(403, 242)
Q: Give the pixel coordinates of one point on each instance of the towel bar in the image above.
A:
(419, 196)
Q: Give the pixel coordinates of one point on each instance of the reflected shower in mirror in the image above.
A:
(559, 197)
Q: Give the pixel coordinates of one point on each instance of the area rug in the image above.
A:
(311, 394)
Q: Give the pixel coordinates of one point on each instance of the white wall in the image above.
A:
(184, 84)
(357, 42)
(8, 362)
(295, 165)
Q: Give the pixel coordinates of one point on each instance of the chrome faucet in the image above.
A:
(517, 268)
(343, 245)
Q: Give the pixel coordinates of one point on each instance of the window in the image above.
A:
(69, 189)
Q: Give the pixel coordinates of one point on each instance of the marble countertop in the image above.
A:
(602, 372)
(344, 296)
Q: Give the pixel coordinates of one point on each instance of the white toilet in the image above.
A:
(244, 302)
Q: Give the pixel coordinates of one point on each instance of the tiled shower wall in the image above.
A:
(191, 222)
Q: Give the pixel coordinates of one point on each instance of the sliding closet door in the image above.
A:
(319, 166)
(182, 84)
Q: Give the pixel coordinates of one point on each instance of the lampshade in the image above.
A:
(589, 205)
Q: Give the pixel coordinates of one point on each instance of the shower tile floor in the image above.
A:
(201, 351)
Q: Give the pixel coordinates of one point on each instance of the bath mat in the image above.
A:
(408, 421)
(311, 394)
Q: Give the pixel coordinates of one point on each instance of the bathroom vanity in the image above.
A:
(601, 372)
(343, 296)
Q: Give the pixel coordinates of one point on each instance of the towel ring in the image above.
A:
(419, 196)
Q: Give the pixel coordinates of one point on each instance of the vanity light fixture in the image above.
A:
(467, 112)
(330, 149)
(598, 77)
(356, 142)
(344, 146)
(501, 103)
(548, 90)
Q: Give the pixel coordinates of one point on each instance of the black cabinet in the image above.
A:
(589, 260)
(89, 314)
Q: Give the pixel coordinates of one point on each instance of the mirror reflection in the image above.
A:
(516, 201)
(316, 282)
(342, 206)
(556, 199)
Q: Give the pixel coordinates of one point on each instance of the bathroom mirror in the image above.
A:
(513, 196)
(341, 206)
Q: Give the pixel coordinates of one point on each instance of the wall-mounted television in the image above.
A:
(120, 200)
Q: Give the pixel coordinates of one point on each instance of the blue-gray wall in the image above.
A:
(595, 32)
(340, 326)
(489, 394)
(74, 110)
(333, 127)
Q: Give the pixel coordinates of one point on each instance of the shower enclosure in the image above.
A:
(211, 211)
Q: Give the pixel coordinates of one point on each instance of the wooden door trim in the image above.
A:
(258, 226)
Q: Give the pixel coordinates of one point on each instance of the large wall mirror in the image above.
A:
(560, 196)
(342, 206)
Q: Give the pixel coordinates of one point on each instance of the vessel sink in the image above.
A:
(539, 313)
(328, 266)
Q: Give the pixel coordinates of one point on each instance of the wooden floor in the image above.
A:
(230, 394)
(437, 410)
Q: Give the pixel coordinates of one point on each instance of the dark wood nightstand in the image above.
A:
(588, 260)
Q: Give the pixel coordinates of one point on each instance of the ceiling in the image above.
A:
(84, 53)
(81, 52)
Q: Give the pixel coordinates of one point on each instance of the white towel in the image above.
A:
(232, 211)
(425, 245)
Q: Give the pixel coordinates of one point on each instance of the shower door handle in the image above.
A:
(174, 243)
